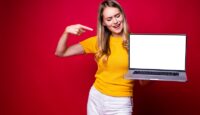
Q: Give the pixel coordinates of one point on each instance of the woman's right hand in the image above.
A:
(62, 50)
(77, 29)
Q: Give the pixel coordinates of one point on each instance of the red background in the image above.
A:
(35, 82)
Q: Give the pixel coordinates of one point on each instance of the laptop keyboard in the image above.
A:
(157, 73)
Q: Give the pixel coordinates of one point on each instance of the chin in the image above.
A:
(117, 31)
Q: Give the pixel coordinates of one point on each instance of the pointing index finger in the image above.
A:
(86, 28)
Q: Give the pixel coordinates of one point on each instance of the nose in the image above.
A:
(115, 21)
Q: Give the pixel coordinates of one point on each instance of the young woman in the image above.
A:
(110, 94)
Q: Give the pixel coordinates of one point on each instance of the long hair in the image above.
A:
(103, 33)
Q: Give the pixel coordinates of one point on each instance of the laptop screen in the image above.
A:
(162, 52)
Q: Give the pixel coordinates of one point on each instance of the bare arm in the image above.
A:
(62, 50)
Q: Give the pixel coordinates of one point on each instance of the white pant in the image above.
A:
(101, 104)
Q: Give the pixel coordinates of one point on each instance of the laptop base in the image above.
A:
(180, 78)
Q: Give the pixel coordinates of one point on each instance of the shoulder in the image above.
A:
(92, 39)
(90, 44)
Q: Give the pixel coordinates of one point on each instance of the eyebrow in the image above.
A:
(113, 15)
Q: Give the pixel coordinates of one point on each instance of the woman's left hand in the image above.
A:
(144, 82)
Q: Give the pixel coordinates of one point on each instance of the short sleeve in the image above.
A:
(89, 45)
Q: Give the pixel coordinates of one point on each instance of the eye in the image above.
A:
(117, 16)
(109, 19)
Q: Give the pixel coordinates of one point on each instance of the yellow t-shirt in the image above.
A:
(110, 77)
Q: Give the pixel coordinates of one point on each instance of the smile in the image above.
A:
(117, 26)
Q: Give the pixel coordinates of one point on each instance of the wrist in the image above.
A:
(66, 31)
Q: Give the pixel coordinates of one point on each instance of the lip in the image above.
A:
(117, 26)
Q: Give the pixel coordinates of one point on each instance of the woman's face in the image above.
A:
(113, 20)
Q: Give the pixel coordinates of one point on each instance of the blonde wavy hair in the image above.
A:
(103, 33)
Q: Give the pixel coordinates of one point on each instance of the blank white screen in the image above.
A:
(157, 52)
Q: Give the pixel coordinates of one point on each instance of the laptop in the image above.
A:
(157, 57)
